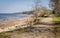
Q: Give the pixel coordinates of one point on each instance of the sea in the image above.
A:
(12, 17)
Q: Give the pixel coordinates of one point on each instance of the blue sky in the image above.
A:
(11, 6)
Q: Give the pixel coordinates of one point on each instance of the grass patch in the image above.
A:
(56, 19)
(19, 30)
(4, 35)
(8, 34)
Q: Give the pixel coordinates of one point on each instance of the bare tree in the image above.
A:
(37, 9)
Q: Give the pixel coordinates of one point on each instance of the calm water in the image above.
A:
(10, 17)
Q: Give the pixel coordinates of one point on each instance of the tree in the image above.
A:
(55, 4)
(36, 10)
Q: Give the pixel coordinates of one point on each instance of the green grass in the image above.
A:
(9, 33)
(56, 19)
(4, 35)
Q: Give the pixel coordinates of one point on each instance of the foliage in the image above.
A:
(56, 5)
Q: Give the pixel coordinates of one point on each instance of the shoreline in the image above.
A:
(17, 24)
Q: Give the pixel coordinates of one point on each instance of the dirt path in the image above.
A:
(37, 32)
(47, 20)
(34, 35)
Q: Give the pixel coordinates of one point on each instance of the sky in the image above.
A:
(13, 6)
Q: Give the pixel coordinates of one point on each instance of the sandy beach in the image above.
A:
(17, 24)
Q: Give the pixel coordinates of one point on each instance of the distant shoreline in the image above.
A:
(17, 24)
